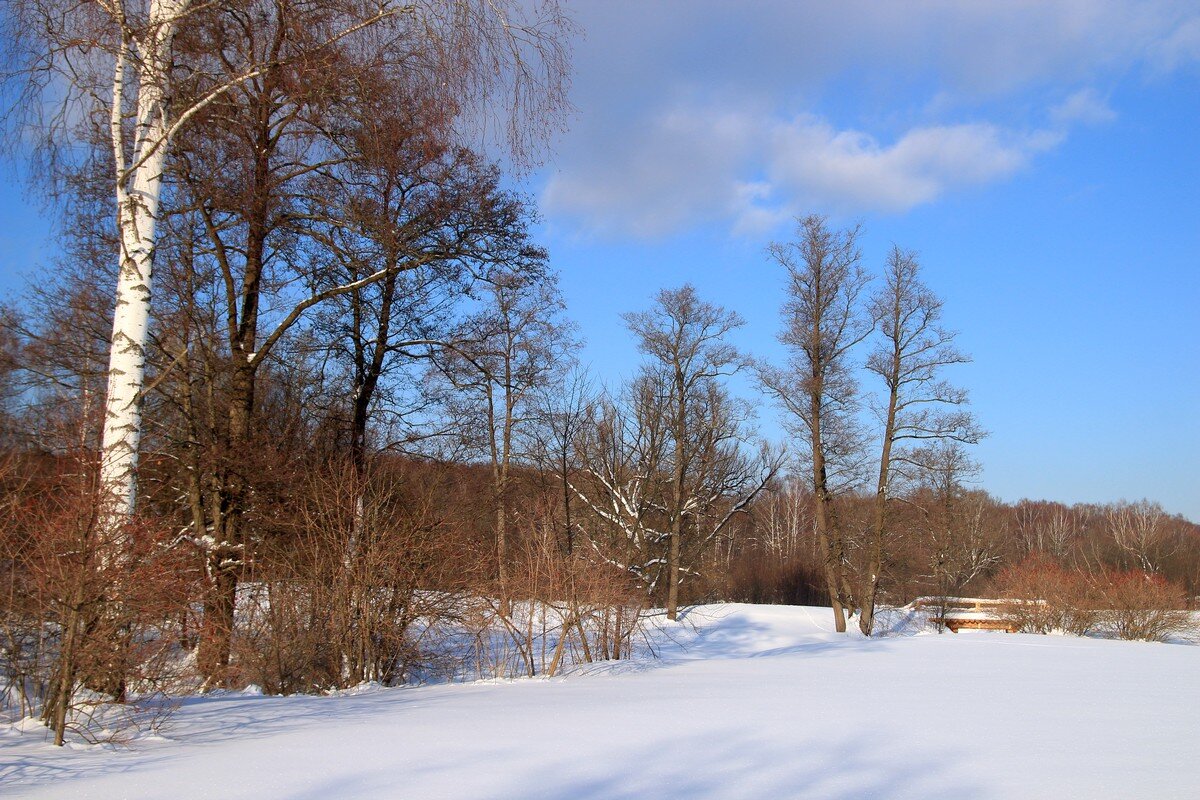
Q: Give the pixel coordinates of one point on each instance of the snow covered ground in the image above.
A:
(745, 702)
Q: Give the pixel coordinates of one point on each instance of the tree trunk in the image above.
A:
(216, 629)
(866, 618)
(62, 685)
(679, 433)
(226, 557)
(138, 189)
(831, 554)
(228, 554)
(566, 491)
(673, 571)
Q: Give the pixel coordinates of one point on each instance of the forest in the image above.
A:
(347, 435)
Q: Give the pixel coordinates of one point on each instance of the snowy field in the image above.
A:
(745, 702)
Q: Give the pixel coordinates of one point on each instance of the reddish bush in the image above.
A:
(1043, 596)
(87, 614)
(1138, 605)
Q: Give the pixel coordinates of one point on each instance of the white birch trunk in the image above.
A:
(138, 189)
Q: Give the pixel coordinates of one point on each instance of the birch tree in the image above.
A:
(114, 62)
(1143, 532)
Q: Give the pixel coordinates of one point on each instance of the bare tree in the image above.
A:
(961, 542)
(622, 450)
(495, 363)
(268, 186)
(117, 77)
(685, 339)
(786, 523)
(117, 63)
(822, 325)
(626, 479)
(1051, 528)
(566, 408)
(1142, 531)
(430, 218)
(919, 407)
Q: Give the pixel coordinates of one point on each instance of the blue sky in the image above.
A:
(1042, 156)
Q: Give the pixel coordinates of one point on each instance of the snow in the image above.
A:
(745, 702)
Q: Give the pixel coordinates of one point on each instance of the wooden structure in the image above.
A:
(974, 613)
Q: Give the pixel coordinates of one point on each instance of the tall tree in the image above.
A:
(288, 172)
(1143, 532)
(626, 480)
(428, 216)
(685, 339)
(501, 355)
(961, 543)
(118, 62)
(919, 407)
(823, 322)
(565, 408)
(116, 78)
(622, 449)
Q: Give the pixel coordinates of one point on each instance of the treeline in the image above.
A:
(967, 543)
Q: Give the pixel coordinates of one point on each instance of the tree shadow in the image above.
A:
(731, 764)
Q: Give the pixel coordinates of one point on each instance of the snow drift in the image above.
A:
(744, 702)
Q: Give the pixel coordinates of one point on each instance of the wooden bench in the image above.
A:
(955, 622)
(973, 613)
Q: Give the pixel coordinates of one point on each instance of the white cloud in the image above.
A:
(676, 169)
(1181, 46)
(1086, 107)
(981, 48)
(852, 170)
(691, 166)
(689, 108)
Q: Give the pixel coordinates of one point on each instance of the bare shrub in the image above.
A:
(1042, 597)
(565, 608)
(89, 615)
(356, 591)
(1142, 606)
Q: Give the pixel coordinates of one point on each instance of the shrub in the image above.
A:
(88, 615)
(1138, 605)
(1043, 597)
